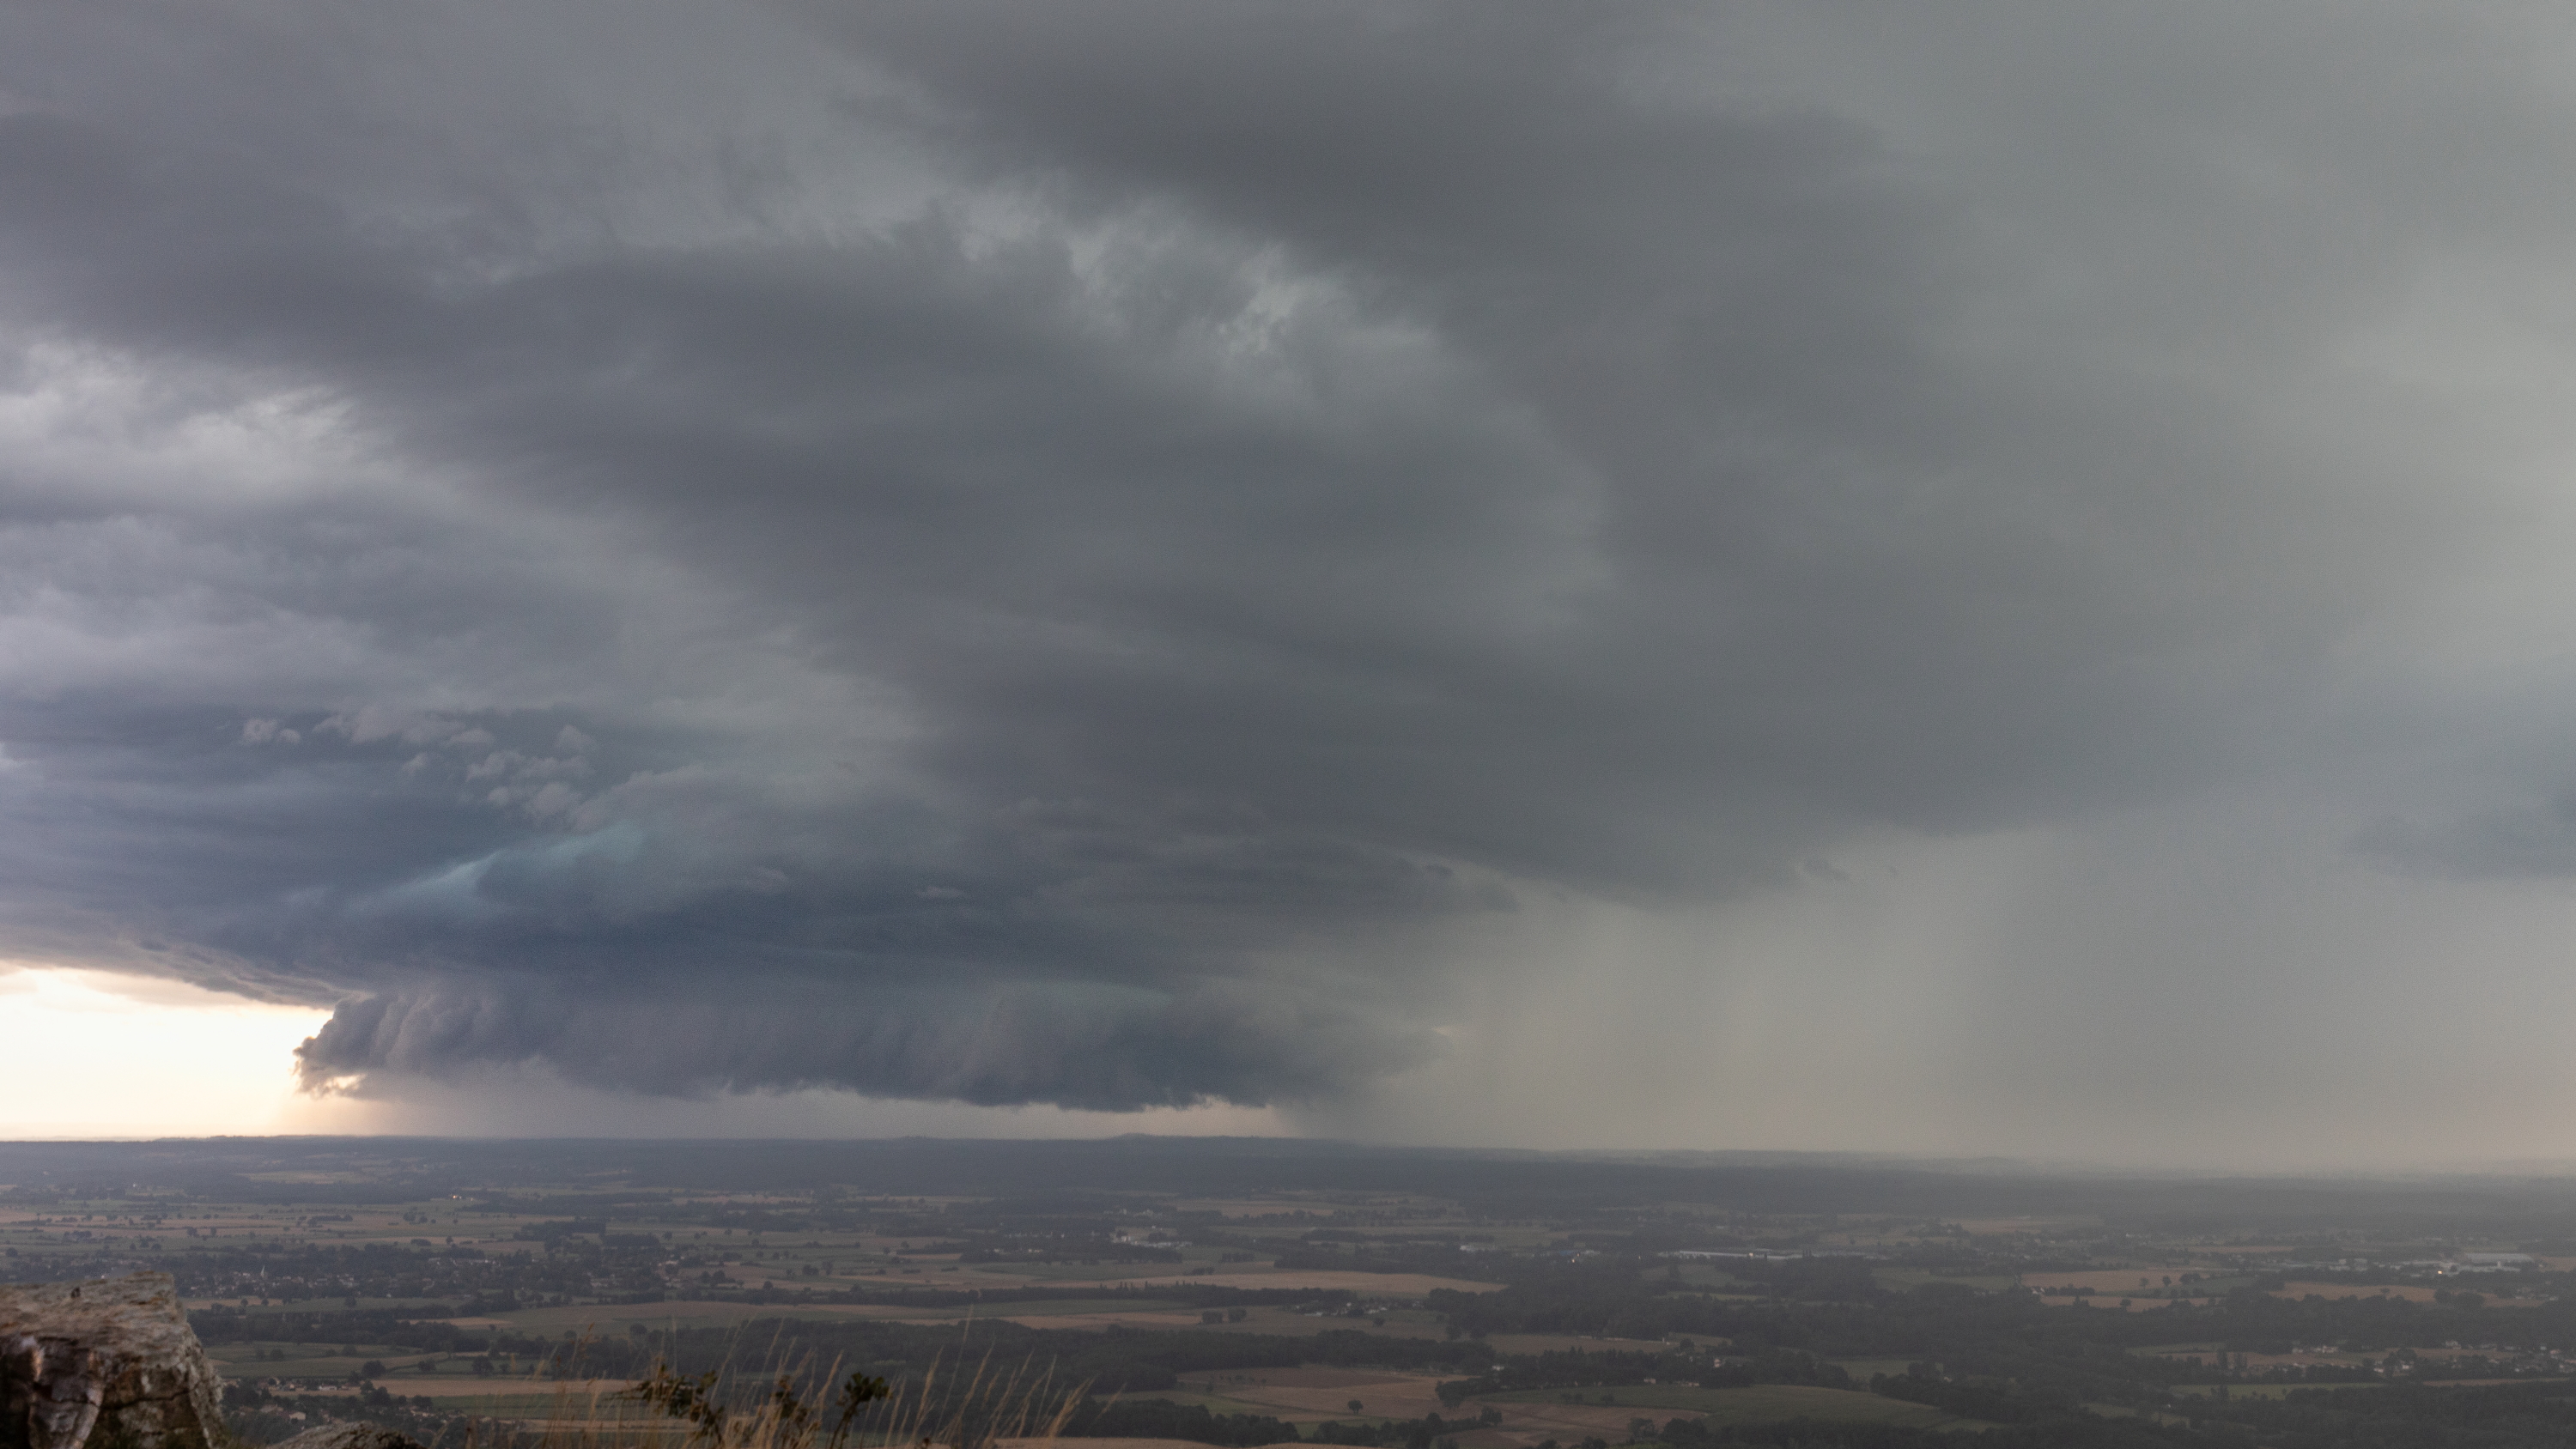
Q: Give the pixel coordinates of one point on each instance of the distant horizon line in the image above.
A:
(1984, 1164)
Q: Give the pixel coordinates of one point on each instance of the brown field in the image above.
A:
(1526, 1422)
(1390, 1285)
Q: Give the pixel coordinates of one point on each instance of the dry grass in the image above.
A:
(960, 1405)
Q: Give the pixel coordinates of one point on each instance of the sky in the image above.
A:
(1960, 578)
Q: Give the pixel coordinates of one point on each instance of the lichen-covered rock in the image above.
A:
(349, 1436)
(106, 1364)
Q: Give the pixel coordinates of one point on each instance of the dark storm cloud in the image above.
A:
(2534, 841)
(1013, 553)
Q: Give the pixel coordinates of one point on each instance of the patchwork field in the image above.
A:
(1313, 1395)
(1392, 1285)
(351, 1308)
(1539, 1410)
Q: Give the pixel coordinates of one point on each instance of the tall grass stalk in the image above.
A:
(952, 1404)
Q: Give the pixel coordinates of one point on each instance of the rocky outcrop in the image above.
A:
(349, 1436)
(106, 1364)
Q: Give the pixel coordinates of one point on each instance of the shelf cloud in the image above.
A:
(1108, 555)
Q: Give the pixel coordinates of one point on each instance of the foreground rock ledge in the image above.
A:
(106, 1364)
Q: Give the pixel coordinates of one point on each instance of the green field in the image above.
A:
(2259, 1391)
(1694, 1275)
(1050, 1308)
(1862, 1368)
(1097, 1272)
(1760, 1404)
(2126, 1411)
(314, 1363)
(1220, 1404)
(606, 1318)
(538, 1403)
(1902, 1279)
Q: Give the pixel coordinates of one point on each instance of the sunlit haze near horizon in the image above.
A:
(1956, 579)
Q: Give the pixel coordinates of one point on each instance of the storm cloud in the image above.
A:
(1104, 555)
